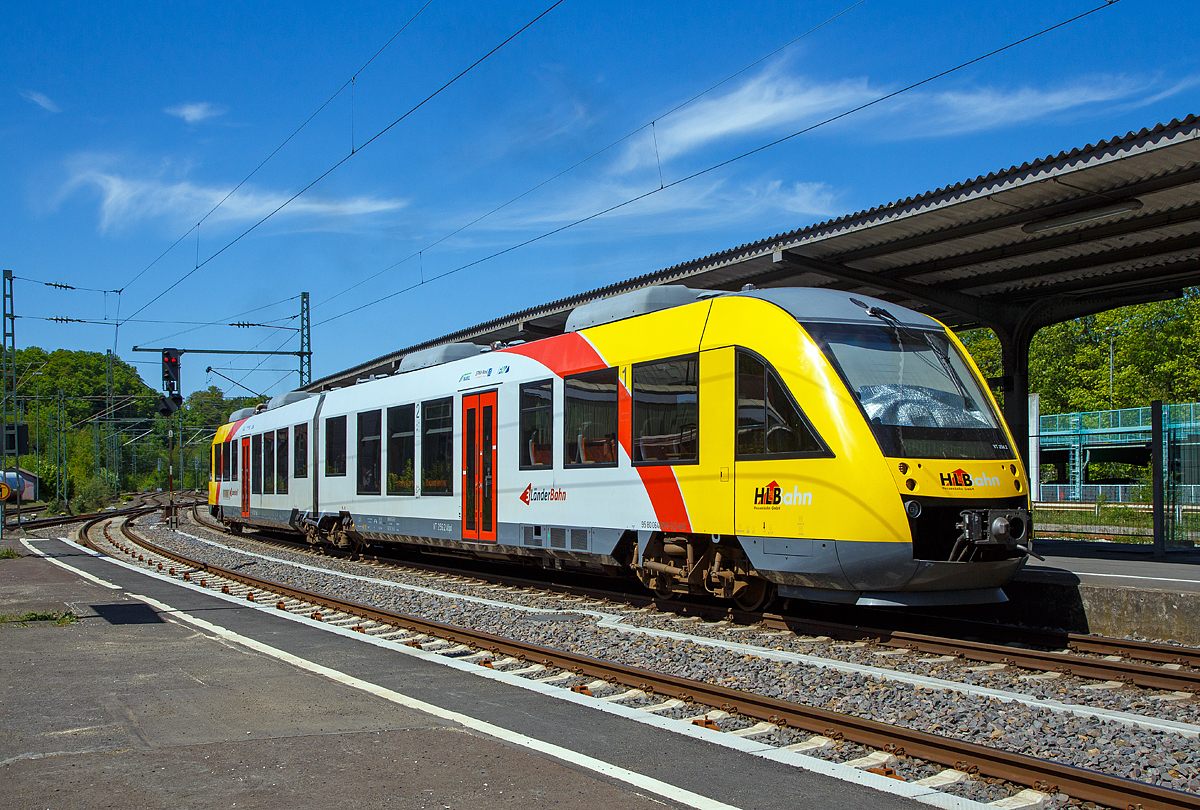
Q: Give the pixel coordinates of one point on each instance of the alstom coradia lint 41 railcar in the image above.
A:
(799, 442)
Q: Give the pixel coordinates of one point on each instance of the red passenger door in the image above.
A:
(479, 467)
(245, 459)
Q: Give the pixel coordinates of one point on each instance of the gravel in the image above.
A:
(1158, 757)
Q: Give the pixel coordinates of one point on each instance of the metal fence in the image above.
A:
(1122, 512)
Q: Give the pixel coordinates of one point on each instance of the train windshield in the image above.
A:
(916, 390)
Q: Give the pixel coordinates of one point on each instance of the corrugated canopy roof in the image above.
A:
(1109, 224)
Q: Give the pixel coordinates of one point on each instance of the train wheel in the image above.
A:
(757, 594)
(235, 528)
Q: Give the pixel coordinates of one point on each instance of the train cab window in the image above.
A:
(590, 418)
(232, 470)
(370, 452)
(281, 461)
(226, 469)
(256, 465)
(401, 450)
(437, 447)
(335, 446)
(769, 423)
(300, 454)
(537, 425)
(269, 463)
(666, 411)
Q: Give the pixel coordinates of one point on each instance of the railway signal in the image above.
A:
(170, 370)
(168, 404)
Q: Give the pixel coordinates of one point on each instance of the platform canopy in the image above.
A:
(1091, 229)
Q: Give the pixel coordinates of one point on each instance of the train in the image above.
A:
(796, 443)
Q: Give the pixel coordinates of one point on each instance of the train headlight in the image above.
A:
(912, 509)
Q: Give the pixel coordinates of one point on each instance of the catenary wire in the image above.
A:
(332, 168)
(714, 167)
(595, 154)
(275, 151)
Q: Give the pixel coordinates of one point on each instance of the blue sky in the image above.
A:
(121, 127)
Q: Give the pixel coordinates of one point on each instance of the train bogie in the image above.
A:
(791, 441)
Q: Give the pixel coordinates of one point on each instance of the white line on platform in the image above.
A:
(72, 569)
(925, 795)
(1054, 571)
(613, 622)
(640, 781)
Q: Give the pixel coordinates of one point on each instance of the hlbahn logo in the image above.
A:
(533, 493)
(773, 495)
(961, 479)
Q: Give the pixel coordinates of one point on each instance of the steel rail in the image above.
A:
(1124, 671)
(1053, 777)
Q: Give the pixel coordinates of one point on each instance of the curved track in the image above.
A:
(1095, 657)
(1080, 784)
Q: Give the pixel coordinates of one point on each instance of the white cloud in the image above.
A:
(196, 111)
(125, 200)
(768, 102)
(954, 112)
(701, 205)
(40, 99)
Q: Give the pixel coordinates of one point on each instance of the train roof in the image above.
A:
(813, 305)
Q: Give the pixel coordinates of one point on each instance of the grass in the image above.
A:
(9, 553)
(60, 618)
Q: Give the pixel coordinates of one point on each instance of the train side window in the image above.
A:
(256, 465)
(437, 447)
(232, 470)
(335, 446)
(590, 419)
(537, 425)
(269, 463)
(281, 461)
(370, 451)
(401, 450)
(221, 459)
(666, 411)
(300, 455)
(769, 423)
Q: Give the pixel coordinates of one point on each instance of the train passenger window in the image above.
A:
(437, 447)
(256, 465)
(537, 425)
(590, 418)
(666, 411)
(300, 456)
(281, 461)
(370, 450)
(401, 450)
(335, 446)
(269, 463)
(231, 471)
(769, 423)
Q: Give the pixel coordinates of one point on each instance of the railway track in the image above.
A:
(1111, 660)
(956, 755)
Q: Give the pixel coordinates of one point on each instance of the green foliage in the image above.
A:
(141, 434)
(1154, 347)
(9, 553)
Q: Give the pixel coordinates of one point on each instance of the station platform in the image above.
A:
(165, 695)
(1113, 589)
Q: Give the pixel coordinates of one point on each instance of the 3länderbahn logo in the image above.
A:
(533, 493)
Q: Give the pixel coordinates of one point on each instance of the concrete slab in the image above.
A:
(132, 707)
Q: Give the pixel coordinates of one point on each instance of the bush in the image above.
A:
(92, 497)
